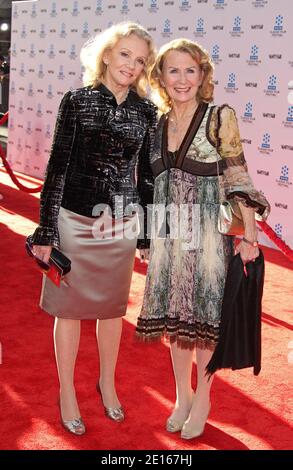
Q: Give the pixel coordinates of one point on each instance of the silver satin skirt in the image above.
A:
(102, 253)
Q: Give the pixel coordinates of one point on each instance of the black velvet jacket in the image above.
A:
(100, 150)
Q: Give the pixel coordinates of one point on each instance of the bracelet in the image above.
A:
(255, 243)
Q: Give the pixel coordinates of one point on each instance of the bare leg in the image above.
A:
(194, 426)
(108, 337)
(66, 341)
(182, 367)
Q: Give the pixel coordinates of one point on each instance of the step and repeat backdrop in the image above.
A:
(250, 42)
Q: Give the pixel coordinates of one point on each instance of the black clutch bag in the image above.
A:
(59, 265)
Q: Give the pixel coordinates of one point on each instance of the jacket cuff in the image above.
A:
(252, 199)
(143, 243)
(47, 236)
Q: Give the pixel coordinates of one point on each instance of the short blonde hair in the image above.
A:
(92, 53)
(199, 54)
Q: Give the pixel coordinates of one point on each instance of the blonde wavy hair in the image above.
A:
(202, 58)
(93, 51)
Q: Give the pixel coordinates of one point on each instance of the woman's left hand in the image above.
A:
(247, 252)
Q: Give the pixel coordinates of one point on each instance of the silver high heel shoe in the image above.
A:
(74, 426)
(116, 414)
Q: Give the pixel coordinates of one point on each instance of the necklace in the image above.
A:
(174, 124)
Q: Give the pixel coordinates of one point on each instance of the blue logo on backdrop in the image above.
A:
(283, 180)
(22, 70)
(99, 7)
(29, 128)
(32, 52)
(231, 84)
(248, 110)
(72, 52)
(278, 230)
(278, 23)
(185, 5)
(30, 91)
(14, 50)
(153, 8)
(272, 83)
(253, 57)
(75, 10)
(11, 123)
(259, 3)
(237, 24)
(248, 113)
(254, 52)
(51, 53)
(266, 141)
(265, 147)
(53, 10)
(284, 174)
(82, 70)
(231, 80)
(216, 54)
(236, 28)
(167, 26)
(15, 11)
(124, 8)
(39, 111)
(290, 114)
(19, 145)
(63, 33)
(48, 132)
(42, 31)
(85, 31)
(41, 71)
(12, 88)
(20, 109)
(271, 89)
(27, 166)
(288, 122)
(199, 28)
(278, 29)
(167, 33)
(34, 10)
(23, 33)
(60, 75)
(37, 148)
(50, 92)
(219, 4)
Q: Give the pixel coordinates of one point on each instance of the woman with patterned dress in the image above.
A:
(99, 170)
(195, 142)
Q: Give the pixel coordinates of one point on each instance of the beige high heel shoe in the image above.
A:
(189, 433)
(116, 414)
(174, 426)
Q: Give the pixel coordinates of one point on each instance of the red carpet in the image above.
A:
(247, 412)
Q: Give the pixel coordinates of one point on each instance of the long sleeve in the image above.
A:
(238, 184)
(145, 178)
(52, 192)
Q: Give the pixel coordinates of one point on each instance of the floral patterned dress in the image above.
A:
(187, 268)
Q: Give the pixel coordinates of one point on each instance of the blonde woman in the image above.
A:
(188, 260)
(99, 158)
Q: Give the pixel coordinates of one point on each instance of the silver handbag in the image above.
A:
(230, 220)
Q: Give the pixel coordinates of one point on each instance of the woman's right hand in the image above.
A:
(42, 252)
